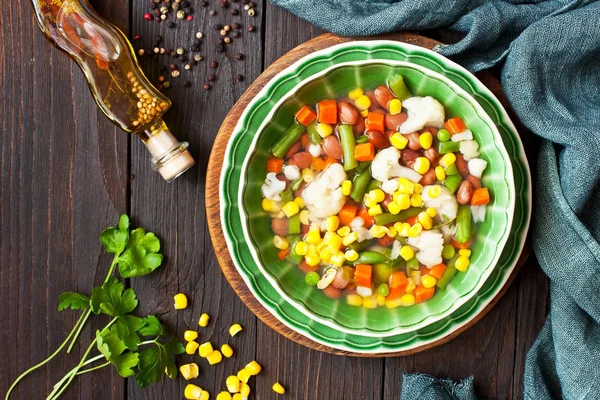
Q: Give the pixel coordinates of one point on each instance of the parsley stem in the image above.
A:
(89, 311)
(50, 357)
(85, 371)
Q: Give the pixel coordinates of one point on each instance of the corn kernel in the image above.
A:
(233, 383)
(204, 396)
(332, 223)
(415, 230)
(464, 252)
(280, 214)
(253, 367)
(304, 217)
(189, 371)
(203, 321)
(239, 396)
(226, 350)
(398, 141)
(344, 231)
(244, 389)
(425, 220)
(410, 286)
(462, 263)
(312, 249)
(181, 301)
(377, 195)
(393, 303)
(271, 205)
(431, 211)
(368, 202)
(415, 276)
(405, 186)
(346, 187)
(403, 228)
(224, 396)
(350, 238)
(416, 200)
(440, 174)
(435, 191)
(407, 300)
(395, 106)
(280, 242)
(378, 231)
(190, 335)
(351, 255)
(277, 388)
(428, 281)
(244, 375)
(299, 201)
(313, 236)
(326, 255)
(354, 300)
(338, 259)
(421, 166)
(355, 93)
(363, 103)
(418, 188)
(191, 347)
(192, 392)
(373, 211)
(380, 300)
(403, 200)
(308, 175)
(370, 302)
(205, 349)
(324, 130)
(215, 357)
(393, 208)
(235, 329)
(447, 160)
(301, 248)
(312, 259)
(392, 232)
(426, 140)
(407, 252)
(364, 113)
(290, 209)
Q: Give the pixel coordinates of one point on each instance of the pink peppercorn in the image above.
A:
(190, 17)
(147, 16)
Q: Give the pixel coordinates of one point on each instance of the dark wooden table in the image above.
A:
(66, 173)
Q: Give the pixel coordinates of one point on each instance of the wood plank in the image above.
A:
(176, 211)
(61, 184)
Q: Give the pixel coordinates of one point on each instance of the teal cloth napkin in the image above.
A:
(550, 51)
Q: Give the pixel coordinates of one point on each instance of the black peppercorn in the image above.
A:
(153, 5)
(195, 48)
(220, 40)
(234, 11)
(183, 58)
(206, 86)
(214, 64)
(170, 24)
(193, 62)
(187, 84)
(239, 77)
(211, 78)
(238, 56)
(236, 34)
(235, 25)
(157, 19)
(185, 4)
(252, 4)
(156, 12)
(158, 39)
(245, 1)
(203, 3)
(173, 67)
(220, 48)
(161, 68)
(218, 27)
(250, 28)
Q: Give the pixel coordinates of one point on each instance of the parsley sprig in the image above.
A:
(135, 346)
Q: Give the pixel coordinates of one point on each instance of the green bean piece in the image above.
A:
(313, 135)
(374, 184)
(412, 264)
(370, 257)
(383, 289)
(452, 182)
(443, 135)
(287, 195)
(451, 170)
(463, 224)
(363, 166)
(448, 251)
(448, 274)
(362, 139)
(398, 87)
(359, 186)
(360, 246)
(448, 147)
(293, 257)
(294, 224)
(296, 184)
(348, 143)
(287, 140)
(387, 218)
(396, 262)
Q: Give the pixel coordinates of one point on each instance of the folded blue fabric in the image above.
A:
(551, 75)
(425, 387)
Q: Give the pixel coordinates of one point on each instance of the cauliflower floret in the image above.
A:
(385, 166)
(314, 150)
(478, 213)
(323, 196)
(469, 149)
(448, 232)
(291, 172)
(422, 112)
(464, 135)
(445, 204)
(477, 166)
(430, 245)
(390, 186)
(272, 187)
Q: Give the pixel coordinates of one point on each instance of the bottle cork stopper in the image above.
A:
(176, 165)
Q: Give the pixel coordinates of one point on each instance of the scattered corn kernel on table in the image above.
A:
(67, 173)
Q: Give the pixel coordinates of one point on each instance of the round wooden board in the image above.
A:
(214, 172)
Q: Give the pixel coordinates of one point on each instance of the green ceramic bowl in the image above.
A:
(491, 235)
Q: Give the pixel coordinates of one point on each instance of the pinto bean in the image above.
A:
(343, 277)
(347, 113)
(393, 122)
(461, 165)
(386, 201)
(301, 160)
(332, 147)
(304, 267)
(465, 192)
(280, 226)
(332, 292)
(408, 155)
(374, 103)
(413, 141)
(294, 149)
(428, 178)
(377, 139)
(383, 95)
(298, 193)
(359, 127)
(432, 155)
(474, 181)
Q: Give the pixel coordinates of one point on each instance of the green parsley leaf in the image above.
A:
(127, 327)
(124, 223)
(76, 301)
(149, 241)
(111, 300)
(115, 238)
(156, 360)
(112, 347)
(153, 327)
(125, 363)
(137, 261)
